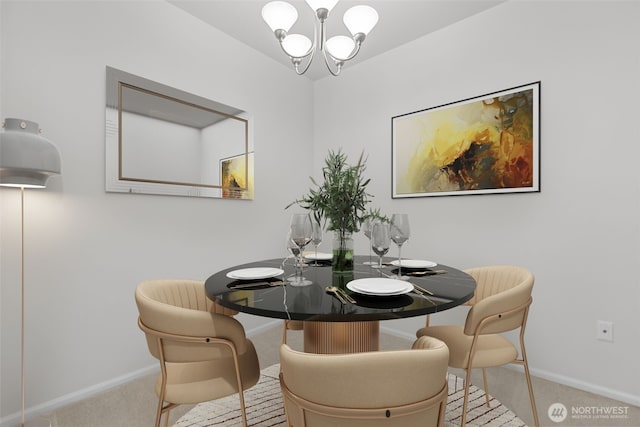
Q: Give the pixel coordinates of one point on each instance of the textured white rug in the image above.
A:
(265, 407)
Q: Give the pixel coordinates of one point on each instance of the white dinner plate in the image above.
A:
(380, 286)
(254, 273)
(320, 256)
(414, 263)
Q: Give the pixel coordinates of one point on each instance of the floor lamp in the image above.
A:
(27, 160)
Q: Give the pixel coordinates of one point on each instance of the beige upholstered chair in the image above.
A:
(203, 351)
(389, 388)
(500, 304)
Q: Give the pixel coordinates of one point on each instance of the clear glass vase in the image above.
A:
(342, 252)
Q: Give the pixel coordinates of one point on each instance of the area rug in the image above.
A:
(265, 407)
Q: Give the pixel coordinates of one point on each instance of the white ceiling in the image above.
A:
(400, 22)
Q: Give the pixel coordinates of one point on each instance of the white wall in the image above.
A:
(580, 234)
(86, 249)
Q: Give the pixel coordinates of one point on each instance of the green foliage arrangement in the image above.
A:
(342, 198)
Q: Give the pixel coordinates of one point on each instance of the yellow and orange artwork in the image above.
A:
(237, 177)
(482, 146)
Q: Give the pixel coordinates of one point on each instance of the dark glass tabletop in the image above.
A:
(312, 303)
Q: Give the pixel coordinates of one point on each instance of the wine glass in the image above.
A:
(300, 233)
(296, 278)
(367, 227)
(399, 233)
(316, 237)
(293, 249)
(380, 240)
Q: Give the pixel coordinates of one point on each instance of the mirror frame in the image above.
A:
(116, 181)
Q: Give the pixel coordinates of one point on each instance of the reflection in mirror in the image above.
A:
(160, 140)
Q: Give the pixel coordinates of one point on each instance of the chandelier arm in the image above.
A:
(325, 53)
(297, 61)
(312, 50)
(338, 63)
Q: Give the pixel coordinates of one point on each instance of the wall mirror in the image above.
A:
(161, 140)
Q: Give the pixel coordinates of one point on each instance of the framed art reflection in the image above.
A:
(482, 145)
(237, 177)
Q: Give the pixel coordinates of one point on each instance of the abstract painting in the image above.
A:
(481, 145)
(237, 177)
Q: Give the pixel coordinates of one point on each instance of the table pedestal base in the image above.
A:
(341, 337)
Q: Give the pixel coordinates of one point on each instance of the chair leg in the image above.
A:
(243, 409)
(159, 412)
(525, 365)
(163, 384)
(467, 383)
(164, 410)
(531, 397)
(284, 332)
(236, 364)
(486, 386)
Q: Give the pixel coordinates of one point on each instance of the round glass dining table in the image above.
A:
(331, 326)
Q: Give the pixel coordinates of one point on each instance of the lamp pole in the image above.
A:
(27, 160)
(38, 422)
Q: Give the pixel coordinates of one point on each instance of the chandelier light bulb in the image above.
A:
(322, 4)
(296, 45)
(360, 19)
(340, 47)
(279, 15)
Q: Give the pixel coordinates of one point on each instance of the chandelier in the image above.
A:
(359, 20)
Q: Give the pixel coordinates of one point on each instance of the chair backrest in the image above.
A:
(503, 293)
(178, 310)
(183, 293)
(389, 388)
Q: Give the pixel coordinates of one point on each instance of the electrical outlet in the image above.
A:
(604, 331)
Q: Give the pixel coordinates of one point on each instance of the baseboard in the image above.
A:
(48, 407)
(584, 386)
(551, 376)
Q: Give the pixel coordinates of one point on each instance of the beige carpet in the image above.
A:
(265, 408)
